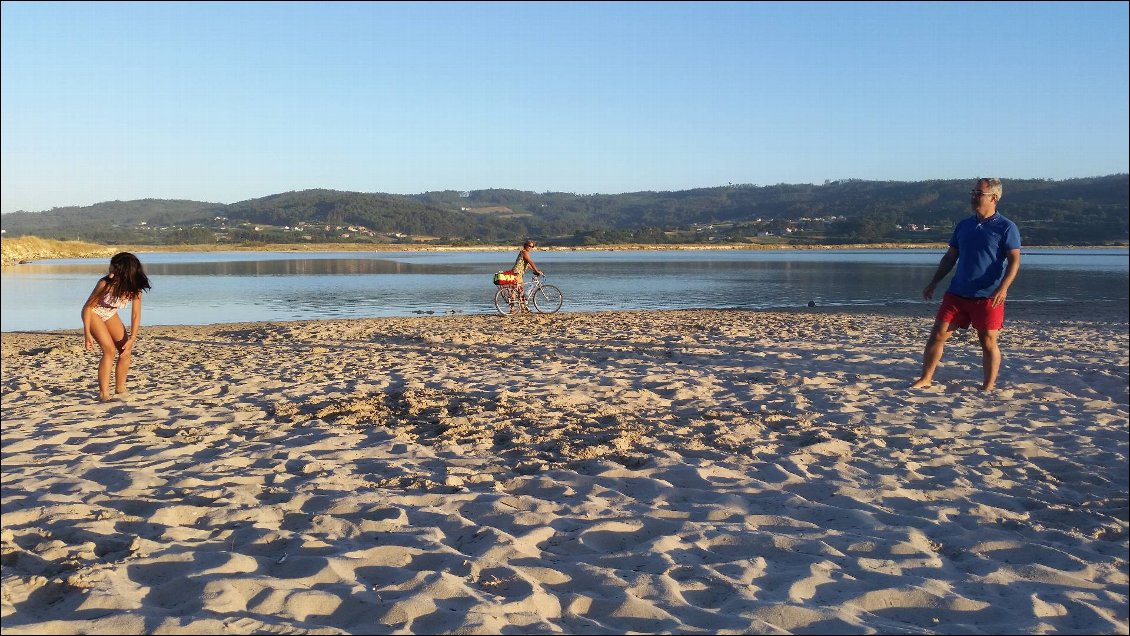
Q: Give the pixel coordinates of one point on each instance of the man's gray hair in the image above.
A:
(995, 186)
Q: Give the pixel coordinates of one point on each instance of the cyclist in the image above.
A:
(514, 293)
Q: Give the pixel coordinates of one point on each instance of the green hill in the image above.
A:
(1085, 211)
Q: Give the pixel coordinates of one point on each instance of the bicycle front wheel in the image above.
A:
(505, 300)
(548, 299)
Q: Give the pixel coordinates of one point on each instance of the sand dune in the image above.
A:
(655, 472)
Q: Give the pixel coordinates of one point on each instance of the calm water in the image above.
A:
(222, 287)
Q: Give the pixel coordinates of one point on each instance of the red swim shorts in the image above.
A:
(962, 311)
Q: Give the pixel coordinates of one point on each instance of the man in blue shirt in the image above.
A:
(986, 249)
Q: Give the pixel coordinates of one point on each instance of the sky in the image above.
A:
(226, 101)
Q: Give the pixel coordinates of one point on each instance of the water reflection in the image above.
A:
(264, 267)
(299, 266)
(97, 269)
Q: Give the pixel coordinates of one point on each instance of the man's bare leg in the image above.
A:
(990, 357)
(932, 355)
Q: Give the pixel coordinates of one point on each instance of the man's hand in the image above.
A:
(999, 296)
(928, 291)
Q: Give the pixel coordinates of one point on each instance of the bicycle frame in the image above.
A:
(529, 288)
(524, 292)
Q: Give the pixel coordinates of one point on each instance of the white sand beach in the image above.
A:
(630, 472)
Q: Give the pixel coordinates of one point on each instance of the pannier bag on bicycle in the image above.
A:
(506, 278)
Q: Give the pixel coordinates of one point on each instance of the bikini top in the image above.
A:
(110, 302)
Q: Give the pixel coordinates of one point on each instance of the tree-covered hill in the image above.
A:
(97, 222)
(1090, 210)
(379, 213)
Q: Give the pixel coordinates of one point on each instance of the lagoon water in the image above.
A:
(223, 287)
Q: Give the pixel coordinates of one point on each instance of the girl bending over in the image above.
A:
(121, 286)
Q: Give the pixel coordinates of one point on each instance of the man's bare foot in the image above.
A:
(921, 383)
(105, 398)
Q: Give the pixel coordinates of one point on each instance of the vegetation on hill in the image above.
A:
(1088, 211)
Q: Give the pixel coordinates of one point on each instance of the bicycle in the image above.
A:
(512, 299)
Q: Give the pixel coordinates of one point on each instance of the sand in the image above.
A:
(628, 472)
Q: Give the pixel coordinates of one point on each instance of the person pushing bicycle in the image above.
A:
(524, 260)
(513, 291)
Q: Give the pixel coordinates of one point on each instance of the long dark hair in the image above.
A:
(127, 278)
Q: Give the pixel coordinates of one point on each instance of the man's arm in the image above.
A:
(944, 267)
(1010, 271)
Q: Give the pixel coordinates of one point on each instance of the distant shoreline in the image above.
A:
(16, 252)
(401, 247)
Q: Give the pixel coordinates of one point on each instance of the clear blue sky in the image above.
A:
(224, 102)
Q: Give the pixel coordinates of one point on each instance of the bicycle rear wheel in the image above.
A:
(505, 300)
(548, 299)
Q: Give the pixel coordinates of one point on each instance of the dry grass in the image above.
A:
(30, 248)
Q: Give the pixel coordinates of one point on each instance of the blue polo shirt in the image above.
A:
(982, 248)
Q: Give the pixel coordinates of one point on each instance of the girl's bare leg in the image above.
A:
(121, 371)
(103, 335)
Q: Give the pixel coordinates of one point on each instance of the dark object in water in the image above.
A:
(812, 303)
